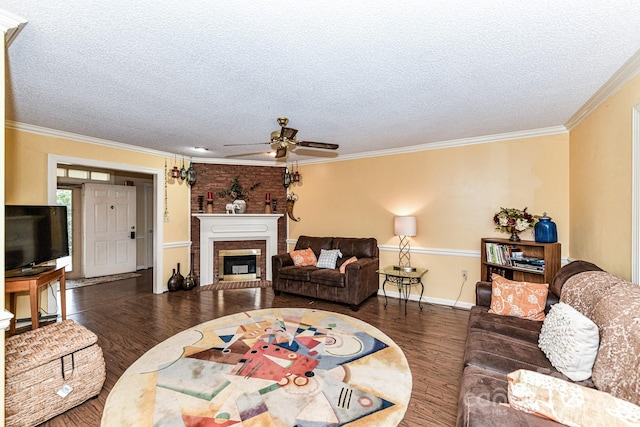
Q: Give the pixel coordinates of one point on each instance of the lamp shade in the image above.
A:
(404, 225)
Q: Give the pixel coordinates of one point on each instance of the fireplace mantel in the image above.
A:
(231, 227)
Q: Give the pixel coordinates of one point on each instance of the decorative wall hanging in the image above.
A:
(292, 198)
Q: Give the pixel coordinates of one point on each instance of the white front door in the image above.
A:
(110, 229)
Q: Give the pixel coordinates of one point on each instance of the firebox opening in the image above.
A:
(239, 265)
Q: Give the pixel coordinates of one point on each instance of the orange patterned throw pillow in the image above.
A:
(303, 257)
(518, 299)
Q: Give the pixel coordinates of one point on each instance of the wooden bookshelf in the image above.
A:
(548, 252)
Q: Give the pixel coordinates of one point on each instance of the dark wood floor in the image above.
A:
(129, 320)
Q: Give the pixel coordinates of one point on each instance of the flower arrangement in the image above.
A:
(236, 192)
(514, 221)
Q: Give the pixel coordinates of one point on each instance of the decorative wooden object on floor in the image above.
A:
(494, 254)
(50, 370)
(32, 284)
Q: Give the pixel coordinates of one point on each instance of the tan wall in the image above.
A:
(601, 181)
(26, 161)
(454, 193)
(2, 184)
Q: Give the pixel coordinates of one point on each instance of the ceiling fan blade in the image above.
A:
(230, 156)
(315, 153)
(288, 133)
(324, 145)
(281, 152)
(248, 143)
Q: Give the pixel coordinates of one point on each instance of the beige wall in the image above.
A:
(454, 193)
(26, 163)
(601, 181)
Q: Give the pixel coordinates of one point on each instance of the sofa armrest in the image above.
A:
(483, 294)
(277, 262)
(361, 278)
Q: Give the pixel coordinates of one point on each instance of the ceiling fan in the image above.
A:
(285, 138)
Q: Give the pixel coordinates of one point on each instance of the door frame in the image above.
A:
(158, 209)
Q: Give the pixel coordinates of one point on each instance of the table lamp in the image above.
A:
(404, 227)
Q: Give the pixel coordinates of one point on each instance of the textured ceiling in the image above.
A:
(369, 75)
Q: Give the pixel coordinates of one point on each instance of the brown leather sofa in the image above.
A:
(497, 345)
(359, 281)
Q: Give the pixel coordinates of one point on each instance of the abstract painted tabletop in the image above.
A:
(271, 367)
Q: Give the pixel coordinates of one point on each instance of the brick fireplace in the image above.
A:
(230, 232)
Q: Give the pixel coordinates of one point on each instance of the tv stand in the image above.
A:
(32, 283)
(29, 271)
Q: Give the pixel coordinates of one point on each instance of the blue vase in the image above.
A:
(545, 230)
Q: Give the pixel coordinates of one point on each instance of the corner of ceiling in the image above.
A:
(629, 70)
(10, 25)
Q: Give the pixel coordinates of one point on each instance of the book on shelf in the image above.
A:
(500, 254)
(512, 256)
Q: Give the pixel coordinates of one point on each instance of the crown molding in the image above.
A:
(628, 71)
(553, 130)
(40, 130)
(10, 25)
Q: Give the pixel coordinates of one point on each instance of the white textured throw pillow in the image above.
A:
(328, 258)
(570, 341)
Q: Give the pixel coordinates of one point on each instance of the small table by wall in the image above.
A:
(12, 285)
(404, 279)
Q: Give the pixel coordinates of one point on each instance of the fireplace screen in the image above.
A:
(239, 264)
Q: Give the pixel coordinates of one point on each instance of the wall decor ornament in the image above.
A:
(292, 198)
(514, 221)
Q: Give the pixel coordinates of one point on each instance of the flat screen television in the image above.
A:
(34, 235)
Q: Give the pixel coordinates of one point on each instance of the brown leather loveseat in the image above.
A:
(358, 282)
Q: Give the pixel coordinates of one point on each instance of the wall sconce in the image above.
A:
(192, 175)
(286, 178)
(404, 227)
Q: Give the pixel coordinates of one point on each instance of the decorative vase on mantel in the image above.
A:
(514, 236)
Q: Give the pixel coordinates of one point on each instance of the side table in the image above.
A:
(32, 284)
(404, 279)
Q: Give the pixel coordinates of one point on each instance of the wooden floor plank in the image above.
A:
(129, 320)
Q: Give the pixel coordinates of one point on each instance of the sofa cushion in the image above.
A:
(328, 258)
(358, 247)
(328, 277)
(568, 403)
(513, 327)
(315, 243)
(519, 299)
(302, 274)
(570, 341)
(303, 257)
(483, 402)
